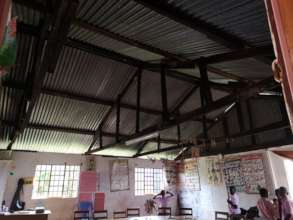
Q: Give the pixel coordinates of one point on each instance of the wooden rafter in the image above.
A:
(48, 51)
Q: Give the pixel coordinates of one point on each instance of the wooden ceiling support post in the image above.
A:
(165, 113)
(205, 97)
(138, 101)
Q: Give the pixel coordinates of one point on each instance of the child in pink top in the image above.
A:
(265, 206)
(286, 205)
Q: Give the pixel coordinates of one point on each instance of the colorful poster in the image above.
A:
(88, 181)
(253, 171)
(119, 176)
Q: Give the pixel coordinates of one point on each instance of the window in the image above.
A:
(56, 181)
(148, 181)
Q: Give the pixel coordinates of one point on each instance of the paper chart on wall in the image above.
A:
(214, 170)
(170, 168)
(191, 175)
(253, 172)
(119, 175)
(233, 175)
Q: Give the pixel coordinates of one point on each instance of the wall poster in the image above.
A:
(233, 175)
(214, 170)
(253, 172)
(119, 176)
(170, 168)
(191, 175)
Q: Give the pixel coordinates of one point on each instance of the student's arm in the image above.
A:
(156, 196)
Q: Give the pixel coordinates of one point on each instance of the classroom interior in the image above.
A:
(105, 103)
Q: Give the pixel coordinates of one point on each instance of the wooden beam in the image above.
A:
(243, 94)
(138, 97)
(238, 54)
(175, 147)
(226, 133)
(165, 111)
(259, 146)
(118, 37)
(99, 131)
(49, 48)
(79, 131)
(99, 51)
(118, 118)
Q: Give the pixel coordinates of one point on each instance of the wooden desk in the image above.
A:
(25, 215)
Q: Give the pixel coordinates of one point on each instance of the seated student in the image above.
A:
(286, 205)
(277, 205)
(265, 206)
(233, 203)
(163, 198)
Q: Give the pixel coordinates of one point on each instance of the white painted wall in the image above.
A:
(25, 167)
(213, 198)
(62, 209)
(3, 177)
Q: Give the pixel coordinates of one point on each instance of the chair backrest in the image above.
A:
(82, 215)
(185, 211)
(100, 215)
(119, 214)
(133, 212)
(165, 211)
(221, 216)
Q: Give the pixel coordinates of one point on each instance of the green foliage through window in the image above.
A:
(56, 181)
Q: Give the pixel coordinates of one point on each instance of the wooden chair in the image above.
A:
(185, 211)
(82, 215)
(100, 215)
(165, 211)
(119, 214)
(221, 216)
(132, 212)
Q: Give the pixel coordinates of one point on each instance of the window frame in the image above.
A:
(61, 174)
(148, 181)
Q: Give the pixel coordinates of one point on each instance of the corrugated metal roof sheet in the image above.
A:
(52, 141)
(9, 103)
(82, 73)
(111, 44)
(151, 91)
(246, 68)
(56, 111)
(246, 19)
(132, 20)
(5, 132)
(26, 15)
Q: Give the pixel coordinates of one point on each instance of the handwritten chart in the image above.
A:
(119, 175)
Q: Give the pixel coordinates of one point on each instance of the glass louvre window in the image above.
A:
(56, 181)
(148, 181)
